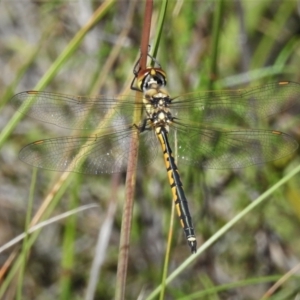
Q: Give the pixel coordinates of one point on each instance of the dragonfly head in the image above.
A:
(151, 78)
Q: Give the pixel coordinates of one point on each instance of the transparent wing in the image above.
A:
(220, 149)
(90, 155)
(199, 143)
(237, 107)
(232, 107)
(75, 112)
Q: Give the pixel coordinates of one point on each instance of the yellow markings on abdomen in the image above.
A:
(170, 176)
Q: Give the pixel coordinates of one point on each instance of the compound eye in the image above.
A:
(159, 80)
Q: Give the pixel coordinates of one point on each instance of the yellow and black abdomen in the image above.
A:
(181, 203)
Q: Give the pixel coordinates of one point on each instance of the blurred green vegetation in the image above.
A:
(255, 42)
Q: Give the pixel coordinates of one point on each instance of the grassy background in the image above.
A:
(256, 42)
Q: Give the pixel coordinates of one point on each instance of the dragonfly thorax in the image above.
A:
(157, 104)
(161, 118)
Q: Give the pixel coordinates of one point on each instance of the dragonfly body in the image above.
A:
(213, 130)
(157, 102)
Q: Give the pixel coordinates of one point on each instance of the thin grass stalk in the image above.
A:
(168, 252)
(146, 33)
(227, 287)
(280, 282)
(47, 222)
(68, 249)
(131, 169)
(159, 29)
(263, 197)
(126, 220)
(263, 50)
(103, 240)
(213, 71)
(25, 246)
(5, 267)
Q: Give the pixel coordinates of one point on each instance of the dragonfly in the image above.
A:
(212, 129)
